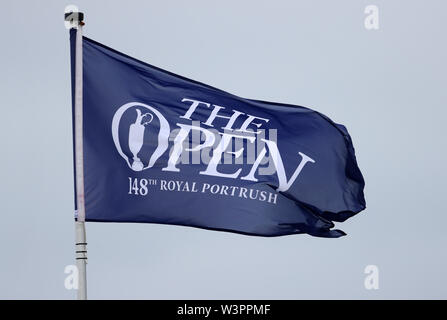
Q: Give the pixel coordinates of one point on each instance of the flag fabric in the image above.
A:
(161, 148)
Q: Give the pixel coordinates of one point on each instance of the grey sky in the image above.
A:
(387, 86)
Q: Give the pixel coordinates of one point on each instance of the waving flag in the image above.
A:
(161, 148)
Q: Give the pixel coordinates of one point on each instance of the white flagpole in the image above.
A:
(81, 241)
(75, 19)
(81, 259)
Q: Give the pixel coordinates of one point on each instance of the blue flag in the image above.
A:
(161, 148)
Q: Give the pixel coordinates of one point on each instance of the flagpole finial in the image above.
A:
(73, 18)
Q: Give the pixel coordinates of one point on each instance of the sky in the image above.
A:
(386, 85)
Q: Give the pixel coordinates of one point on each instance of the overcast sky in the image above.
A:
(387, 86)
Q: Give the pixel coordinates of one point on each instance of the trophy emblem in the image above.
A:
(136, 137)
(136, 131)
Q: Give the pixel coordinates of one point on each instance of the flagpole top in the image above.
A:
(74, 19)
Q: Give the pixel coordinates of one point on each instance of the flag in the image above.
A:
(161, 148)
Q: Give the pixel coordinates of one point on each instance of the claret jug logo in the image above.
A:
(142, 135)
(137, 129)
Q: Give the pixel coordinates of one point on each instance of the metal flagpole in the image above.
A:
(81, 259)
(76, 20)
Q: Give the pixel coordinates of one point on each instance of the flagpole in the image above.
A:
(81, 259)
(75, 19)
